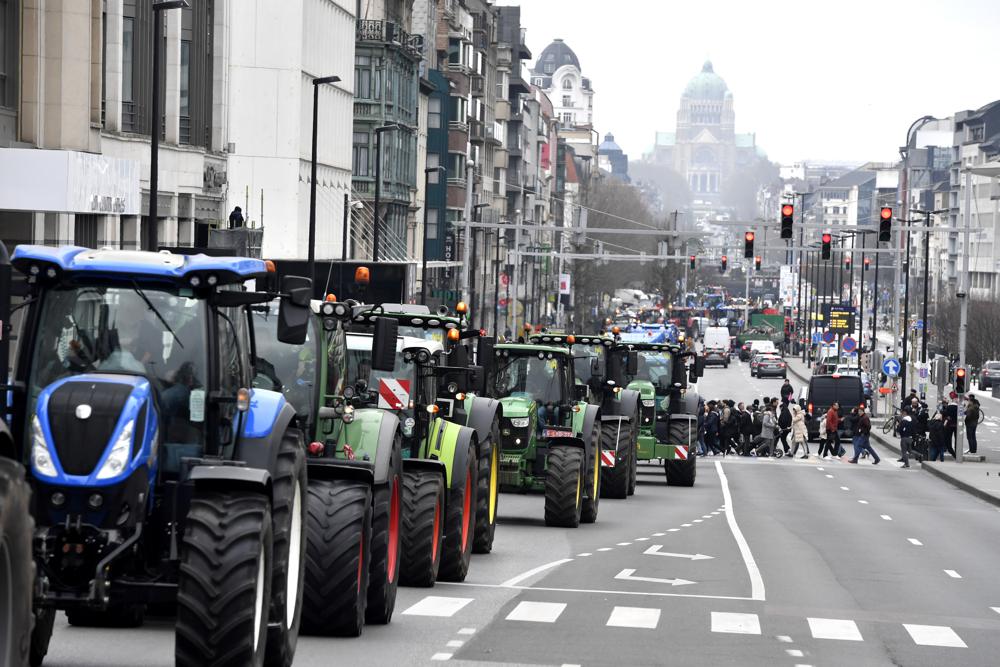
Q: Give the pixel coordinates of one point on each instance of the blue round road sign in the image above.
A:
(849, 344)
(828, 336)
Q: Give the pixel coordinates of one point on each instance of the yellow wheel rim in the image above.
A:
(494, 478)
(579, 486)
(597, 472)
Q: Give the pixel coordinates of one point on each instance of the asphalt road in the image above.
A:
(787, 562)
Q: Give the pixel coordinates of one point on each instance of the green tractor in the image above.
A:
(603, 364)
(669, 414)
(353, 549)
(448, 335)
(550, 435)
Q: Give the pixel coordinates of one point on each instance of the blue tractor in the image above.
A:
(161, 478)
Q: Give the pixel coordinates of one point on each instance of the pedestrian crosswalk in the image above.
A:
(722, 622)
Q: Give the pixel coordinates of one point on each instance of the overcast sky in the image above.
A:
(839, 80)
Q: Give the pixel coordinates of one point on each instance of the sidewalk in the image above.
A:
(981, 480)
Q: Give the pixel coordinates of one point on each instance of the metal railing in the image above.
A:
(372, 30)
(184, 136)
(392, 243)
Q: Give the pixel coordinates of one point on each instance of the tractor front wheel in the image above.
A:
(460, 521)
(615, 481)
(488, 493)
(423, 523)
(592, 492)
(564, 482)
(681, 472)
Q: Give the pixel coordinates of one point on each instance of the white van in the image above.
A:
(716, 343)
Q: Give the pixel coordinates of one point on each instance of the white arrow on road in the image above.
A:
(655, 551)
(627, 576)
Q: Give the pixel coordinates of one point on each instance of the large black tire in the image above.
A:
(592, 492)
(488, 493)
(17, 569)
(288, 513)
(117, 616)
(681, 472)
(338, 550)
(564, 481)
(387, 521)
(423, 522)
(633, 466)
(614, 481)
(41, 635)
(224, 585)
(460, 522)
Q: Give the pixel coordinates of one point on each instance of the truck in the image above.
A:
(550, 435)
(669, 413)
(160, 476)
(598, 365)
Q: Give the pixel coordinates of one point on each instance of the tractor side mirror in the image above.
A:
(485, 352)
(581, 392)
(632, 367)
(692, 374)
(384, 344)
(680, 375)
(477, 379)
(595, 366)
(293, 309)
(699, 365)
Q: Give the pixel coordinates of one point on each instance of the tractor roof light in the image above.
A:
(461, 308)
(331, 298)
(454, 334)
(269, 266)
(362, 275)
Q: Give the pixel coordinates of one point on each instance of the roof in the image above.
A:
(850, 179)
(558, 53)
(609, 145)
(136, 263)
(706, 85)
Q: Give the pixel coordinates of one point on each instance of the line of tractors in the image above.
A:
(190, 436)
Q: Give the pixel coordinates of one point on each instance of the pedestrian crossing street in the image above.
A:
(648, 618)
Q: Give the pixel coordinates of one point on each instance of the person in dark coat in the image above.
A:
(787, 393)
(236, 218)
(784, 424)
(938, 437)
(951, 425)
(972, 412)
(746, 429)
(712, 428)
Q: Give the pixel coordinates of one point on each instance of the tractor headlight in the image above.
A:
(41, 457)
(519, 422)
(118, 458)
(648, 402)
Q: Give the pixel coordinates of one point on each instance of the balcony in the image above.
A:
(478, 85)
(390, 34)
(502, 109)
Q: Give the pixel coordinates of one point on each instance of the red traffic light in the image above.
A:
(868, 261)
(886, 213)
(749, 236)
(827, 238)
(960, 372)
(691, 258)
(787, 210)
(724, 258)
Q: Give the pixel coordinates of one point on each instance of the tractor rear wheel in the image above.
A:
(681, 472)
(564, 481)
(423, 521)
(460, 521)
(488, 493)
(17, 569)
(633, 466)
(224, 585)
(338, 549)
(383, 573)
(614, 481)
(592, 492)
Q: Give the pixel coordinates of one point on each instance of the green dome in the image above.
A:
(706, 85)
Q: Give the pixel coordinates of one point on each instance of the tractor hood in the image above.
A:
(644, 387)
(517, 406)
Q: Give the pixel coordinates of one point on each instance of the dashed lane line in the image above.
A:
(834, 628)
(794, 652)
(863, 502)
(914, 541)
(436, 605)
(844, 488)
(953, 574)
(934, 635)
(467, 631)
(514, 581)
(537, 612)
(455, 643)
(441, 657)
(886, 517)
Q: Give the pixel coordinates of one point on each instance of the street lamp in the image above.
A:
(477, 215)
(423, 272)
(378, 181)
(155, 125)
(927, 254)
(312, 185)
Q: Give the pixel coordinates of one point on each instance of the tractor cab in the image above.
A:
(534, 383)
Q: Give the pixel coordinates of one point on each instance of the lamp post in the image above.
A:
(477, 215)
(312, 185)
(423, 269)
(512, 303)
(470, 172)
(378, 183)
(155, 126)
(927, 255)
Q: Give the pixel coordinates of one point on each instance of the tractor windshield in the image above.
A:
(583, 361)
(290, 369)
(394, 387)
(653, 365)
(539, 376)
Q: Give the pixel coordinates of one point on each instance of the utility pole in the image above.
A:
(963, 298)
(904, 360)
(512, 297)
(470, 172)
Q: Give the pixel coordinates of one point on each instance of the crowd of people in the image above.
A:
(933, 435)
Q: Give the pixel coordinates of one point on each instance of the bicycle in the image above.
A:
(891, 424)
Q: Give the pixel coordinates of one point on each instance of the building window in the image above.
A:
(459, 109)
(360, 154)
(128, 45)
(567, 101)
(197, 25)
(434, 113)
(432, 223)
(8, 53)
(549, 68)
(185, 101)
(567, 119)
(567, 84)
(456, 165)
(433, 177)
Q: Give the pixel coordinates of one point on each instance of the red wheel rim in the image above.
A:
(393, 528)
(437, 530)
(361, 561)
(467, 507)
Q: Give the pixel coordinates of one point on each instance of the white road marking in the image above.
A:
(436, 605)
(537, 612)
(584, 554)
(996, 609)
(624, 544)
(953, 574)
(820, 469)
(740, 624)
(597, 591)
(627, 575)
(654, 550)
(715, 514)
(706, 516)
(698, 520)
(467, 631)
(794, 652)
(605, 548)
(672, 530)
(844, 488)
(634, 617)
(642, 539)
(441, 656)
(834, 628)
(785, 639)
(658, 534)
(455, 643)
(934, 635)
(863, 502)
(915, 542)
(886, 517)
(686, 525)
(756, 581)
(535, 570)
(829, 476)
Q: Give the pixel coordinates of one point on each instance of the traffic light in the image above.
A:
(885, 225)
(756, 262)
(748, 245)
(847, 262)
(827, 240)
(787, 219)
(691, 259)
(722, 266)
(868, 263)
(960, 374)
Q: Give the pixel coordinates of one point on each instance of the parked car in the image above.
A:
(989, 375)
(767, 364)
(716, 343)
(824, 391)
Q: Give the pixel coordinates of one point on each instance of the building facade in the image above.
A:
(557, 72)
